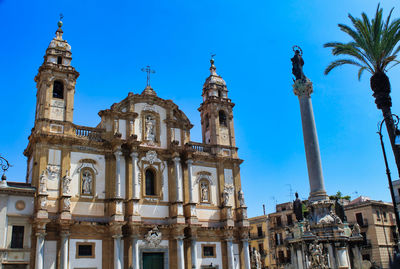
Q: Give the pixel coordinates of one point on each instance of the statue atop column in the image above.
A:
(297, 63)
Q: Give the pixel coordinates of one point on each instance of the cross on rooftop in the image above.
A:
(148, 71)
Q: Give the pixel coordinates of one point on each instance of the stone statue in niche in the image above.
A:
(87, 180)
(204, 192)
(150, 134)
(42, 182)
(225, 197)
(66, 180)
(241, 198)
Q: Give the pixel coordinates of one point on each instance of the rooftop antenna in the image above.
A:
(290, 191)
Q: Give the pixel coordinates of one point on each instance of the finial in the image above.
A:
(213, 68)
(60, 23)
(148, 71)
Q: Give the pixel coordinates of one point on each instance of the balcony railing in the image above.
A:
(199, 147)
(257, 235)
(88, 132)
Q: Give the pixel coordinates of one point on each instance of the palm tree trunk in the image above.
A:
(380, 85)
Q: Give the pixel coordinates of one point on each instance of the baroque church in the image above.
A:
(134, 191)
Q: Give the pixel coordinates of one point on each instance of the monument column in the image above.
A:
(118, 252)
(193, 249)
(136, 188)
(245, 242)
(118, 155)
(190, 175)
(303, 88)
(178, 175)
(39, 249)
(180, 253)
(229, 249)
(64, 249)
(135, 252)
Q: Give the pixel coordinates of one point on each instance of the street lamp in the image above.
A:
(395, 120)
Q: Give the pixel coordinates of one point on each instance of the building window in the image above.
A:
(278, 221)
(17, 237)
(289, 219)
(281, 257)
(208, 251)
(150, 182)
(87, 181)
(259, 231)
(359, 218)
(59, 60)
(378, 215)
(207, 123)
(85, 250)
(261, 248)
(205, 191)
(222, 118)
(58, 89)
(384, 216)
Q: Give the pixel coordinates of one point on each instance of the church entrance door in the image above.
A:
(153, 260)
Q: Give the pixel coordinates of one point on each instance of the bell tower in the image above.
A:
(55, 83)
(216, 111)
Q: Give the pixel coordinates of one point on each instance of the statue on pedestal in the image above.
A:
(297, 63)
(298, 208)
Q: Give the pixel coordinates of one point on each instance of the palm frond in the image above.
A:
(341, 62)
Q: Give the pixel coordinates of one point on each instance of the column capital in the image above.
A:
(303, 88)
(134, 155)
(179, 237)
(40, 234)
(189, 162)
(176, 159)
(118, 153)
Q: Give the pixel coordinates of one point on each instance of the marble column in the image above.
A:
(135, 177)
(64, 250)
(303, 90)
(194, 253)
(179, 250)
(135, 253)
(118, 264)
(118, 155)
(190, 176)
(246, 253)
(229, 250)
(332, 258)
(39, 250)
(178, 176)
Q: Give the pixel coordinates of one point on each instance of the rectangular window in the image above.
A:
(384, 216)
(208, 251)
(278, 221)
(289, 219)
(259, 231)
(261, 248)
(359, 218)
(378, 215)
(17, 237)
(85, 250)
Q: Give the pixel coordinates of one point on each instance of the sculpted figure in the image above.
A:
(42, 182)
(66, 182)
(298, 208)
(241, 198)
(86, 182)
(297, 63)
(339, 210)
(150, 126)
(356, 230)
(204, 192)
(225, 197)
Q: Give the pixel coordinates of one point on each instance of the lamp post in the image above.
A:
(4, 165)
(395, 120)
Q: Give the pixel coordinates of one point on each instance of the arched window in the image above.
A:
(59, 60)
(87, 181)
(58, 89)
(150, 182)
(207, 122)
(222, 118)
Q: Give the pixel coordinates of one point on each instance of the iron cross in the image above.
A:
(148, 71)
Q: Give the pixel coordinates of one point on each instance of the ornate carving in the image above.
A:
(241, 198)
(317, 258)
(42, 182)
(303, 88)
(66, 181)
(86, 163)
(150, 126)
(53, 171)
(356, 230)
(87, 182)
(255, 259)
(67, 204)
(228, 190)
(153, 237)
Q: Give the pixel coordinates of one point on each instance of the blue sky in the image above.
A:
(112, 40)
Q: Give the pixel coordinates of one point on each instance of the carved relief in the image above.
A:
(150, 126)
(66, 181)
(153, 238)
(87, 181)
(53, 171)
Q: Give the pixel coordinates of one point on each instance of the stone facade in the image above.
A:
(377, 226)
(134, 190)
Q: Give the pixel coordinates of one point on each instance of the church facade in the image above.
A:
(134, 191)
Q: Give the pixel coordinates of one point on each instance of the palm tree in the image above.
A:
(373, 48)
